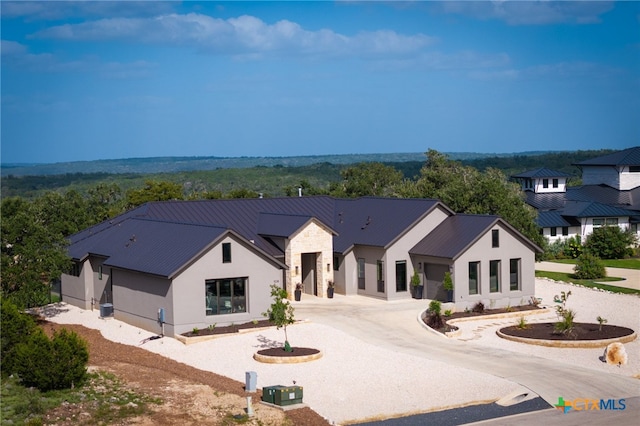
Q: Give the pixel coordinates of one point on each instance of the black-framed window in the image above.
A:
(514, 274)
(495, 238)
(401, 276)
(75, 269)
(100, 272)
(361, 268)
(554, 231)
(494, 276)
(565, 230)
(380, 275)
(555, 183)
(474, 277)
(336, 262)
(226, 296)
(226, 252)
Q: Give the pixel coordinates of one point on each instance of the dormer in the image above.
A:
(543, 181)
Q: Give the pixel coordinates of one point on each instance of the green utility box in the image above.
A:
(282, 395)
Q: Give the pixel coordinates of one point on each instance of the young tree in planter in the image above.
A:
(447, 283)
(281, 312)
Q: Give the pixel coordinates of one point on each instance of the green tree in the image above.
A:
(105, 201)
(589, 267)
(57, 363)
(466, 190)
(16, 326)
(610, 242)
(281, 312)
(367, 179)
(154, 191)
(32, 251)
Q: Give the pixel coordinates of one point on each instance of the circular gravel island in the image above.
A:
(584, 335)
(280, 356)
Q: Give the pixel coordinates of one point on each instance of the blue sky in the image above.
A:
(100, 80)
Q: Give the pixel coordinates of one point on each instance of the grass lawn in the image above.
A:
(561, 276)
(609, 263)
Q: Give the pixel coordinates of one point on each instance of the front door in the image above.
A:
(309, 275)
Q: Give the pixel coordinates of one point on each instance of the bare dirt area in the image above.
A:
(188, 396)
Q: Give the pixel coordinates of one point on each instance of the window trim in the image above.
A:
(495, 238)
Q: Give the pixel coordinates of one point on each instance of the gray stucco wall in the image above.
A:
(188, 288)
(483, 252)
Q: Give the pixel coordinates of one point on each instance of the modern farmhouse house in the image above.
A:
(609, 195)
(196, 263)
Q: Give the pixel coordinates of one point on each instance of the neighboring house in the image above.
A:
(213, 261)
(609, 195)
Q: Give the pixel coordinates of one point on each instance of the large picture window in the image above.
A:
(401, 276)
(226, 296)
(474, 273)
(494, 276)
(514, 274)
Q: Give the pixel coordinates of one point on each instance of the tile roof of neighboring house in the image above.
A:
(457, 233)
(541, 172)
(150, 246)
(626, 157)
(178, 229)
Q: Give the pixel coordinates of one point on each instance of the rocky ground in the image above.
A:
(189, 396)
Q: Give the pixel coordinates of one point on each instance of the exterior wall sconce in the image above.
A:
(328, 267)
(420, 266)
(296, 270)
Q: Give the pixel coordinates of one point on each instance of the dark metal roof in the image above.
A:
(551, 201)
(168, 234)
(377, 221)
(457, 233)
(626, 157)
(150, 246)
(541, 172)
(554, 218)
(592, 209)
(280, 225)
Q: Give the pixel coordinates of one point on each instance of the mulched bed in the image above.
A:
(466, 314)
(229, 329)
(280, 352)
(582, 331)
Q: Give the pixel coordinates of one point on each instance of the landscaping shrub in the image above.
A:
(434, 319)
(57, 363)
(589, 267)
(610, 242)
(478, 308)
(16, 327)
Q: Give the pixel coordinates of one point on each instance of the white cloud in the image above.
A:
(516, 12)
(244, 35)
